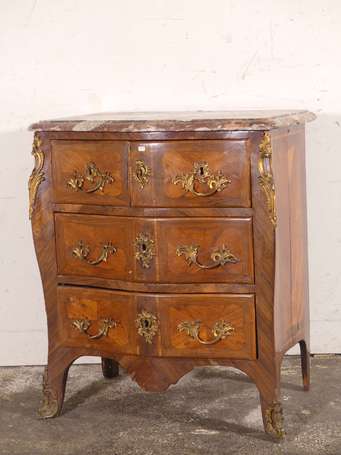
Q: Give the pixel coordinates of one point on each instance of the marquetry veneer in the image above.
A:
(167, 241)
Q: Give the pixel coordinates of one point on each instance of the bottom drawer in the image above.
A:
(178, 325)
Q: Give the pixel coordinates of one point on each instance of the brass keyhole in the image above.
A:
(144, 249)
(147, 325)
(201, 170)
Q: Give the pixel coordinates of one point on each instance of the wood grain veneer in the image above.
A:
(137, 302)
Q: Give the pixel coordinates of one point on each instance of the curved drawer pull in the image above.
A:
(83, 325)
(219, 257)
(82, 251)
(202, 174)
(220, 331)
(93, 175)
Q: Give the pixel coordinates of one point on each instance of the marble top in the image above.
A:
(178, 121)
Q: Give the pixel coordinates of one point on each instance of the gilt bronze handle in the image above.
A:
(220, 331)
(220, 257)
(83, 325)
(82, 252)
(94, 176)
(202, 174)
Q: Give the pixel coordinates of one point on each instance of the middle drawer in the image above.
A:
(176, 250)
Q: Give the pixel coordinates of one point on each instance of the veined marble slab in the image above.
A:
(178, 121)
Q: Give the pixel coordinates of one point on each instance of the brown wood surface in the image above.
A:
(69, 157)
(168, 235)
(95, 306)
(237, 310)
(158, 212)
(110, 368)
(209, 235)
(292, 294)
(165, 265)
(176, 288)
(145, 136)
(169, 159)
(94, 232)
(274, 273)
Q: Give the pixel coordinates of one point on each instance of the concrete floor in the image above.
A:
(210, 411)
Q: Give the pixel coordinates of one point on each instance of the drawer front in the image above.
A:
(182, 250)
(97, 319)
(208, 326)
(90, 172)
(96, 246)
(190, 174)
(211, 325)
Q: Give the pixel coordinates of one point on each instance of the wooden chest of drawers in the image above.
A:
(169, 241)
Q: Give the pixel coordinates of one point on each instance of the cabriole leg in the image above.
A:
(110, 368)
(272, 414)
(305, 364)
(54, 382)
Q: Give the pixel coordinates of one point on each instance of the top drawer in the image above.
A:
(90, 172)
(208, 173)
